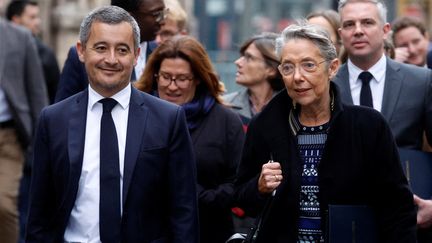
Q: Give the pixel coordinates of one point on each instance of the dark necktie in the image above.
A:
(366, 93)
(109, 211)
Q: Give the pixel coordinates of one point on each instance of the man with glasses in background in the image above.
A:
(150, 15)
(176, 22)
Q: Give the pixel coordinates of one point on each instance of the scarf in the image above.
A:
(197, 109)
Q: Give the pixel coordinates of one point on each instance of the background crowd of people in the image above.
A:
(137, 140)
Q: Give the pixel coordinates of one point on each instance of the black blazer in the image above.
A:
(360, 165)
(159, 181)
(50, 67)
(218, 143)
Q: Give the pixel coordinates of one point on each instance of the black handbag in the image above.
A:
(254, 230)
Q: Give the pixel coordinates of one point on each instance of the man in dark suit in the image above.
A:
(22, 97)
(111, 163)
(401, 92)
(150, 16)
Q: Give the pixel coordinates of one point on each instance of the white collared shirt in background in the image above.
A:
(83, 225)
(376, 84)
(142, 59)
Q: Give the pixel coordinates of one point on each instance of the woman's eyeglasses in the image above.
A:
(181, 80)
(306, 67)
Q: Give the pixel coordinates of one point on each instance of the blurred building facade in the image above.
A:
(221, 25)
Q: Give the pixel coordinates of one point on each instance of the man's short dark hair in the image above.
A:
(128, 5)
(16, 7)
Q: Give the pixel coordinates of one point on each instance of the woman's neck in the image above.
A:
(315, 115)
(260, 95)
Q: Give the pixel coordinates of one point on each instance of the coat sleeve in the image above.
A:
(395, 206)
(222, 195)
(34, 79)
(428, 107)
(182, 174)
(40, 207)
(255, 153)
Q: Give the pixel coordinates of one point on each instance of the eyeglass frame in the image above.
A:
(169, 78)
(280, 66)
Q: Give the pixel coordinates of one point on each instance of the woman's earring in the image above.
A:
(294, 105)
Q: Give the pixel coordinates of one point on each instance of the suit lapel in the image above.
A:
(76, 140)
(392, 88)
(135, 130)
(342, 81)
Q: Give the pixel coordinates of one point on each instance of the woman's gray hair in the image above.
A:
(108, 15)
(316, 34)
(382, 9)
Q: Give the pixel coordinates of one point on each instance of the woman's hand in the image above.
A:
(424, 213)
(270, 177)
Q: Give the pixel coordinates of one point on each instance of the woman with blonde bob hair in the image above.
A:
(180, 71)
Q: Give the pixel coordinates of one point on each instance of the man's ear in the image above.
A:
(16, 19)
(386, 29)
(80, 49)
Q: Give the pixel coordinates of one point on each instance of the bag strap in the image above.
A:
(254, 230)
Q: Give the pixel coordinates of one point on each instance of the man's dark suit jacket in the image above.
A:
(407, 101)
(159, 183)
(73, 78)
(429, 59)
(50, 67)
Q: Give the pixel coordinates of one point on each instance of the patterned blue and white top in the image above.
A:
(310, 142)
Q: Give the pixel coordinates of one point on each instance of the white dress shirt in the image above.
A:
(377, 83)
(141, 62)
(83, 225)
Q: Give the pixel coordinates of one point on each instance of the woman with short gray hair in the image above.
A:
(321, 151)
